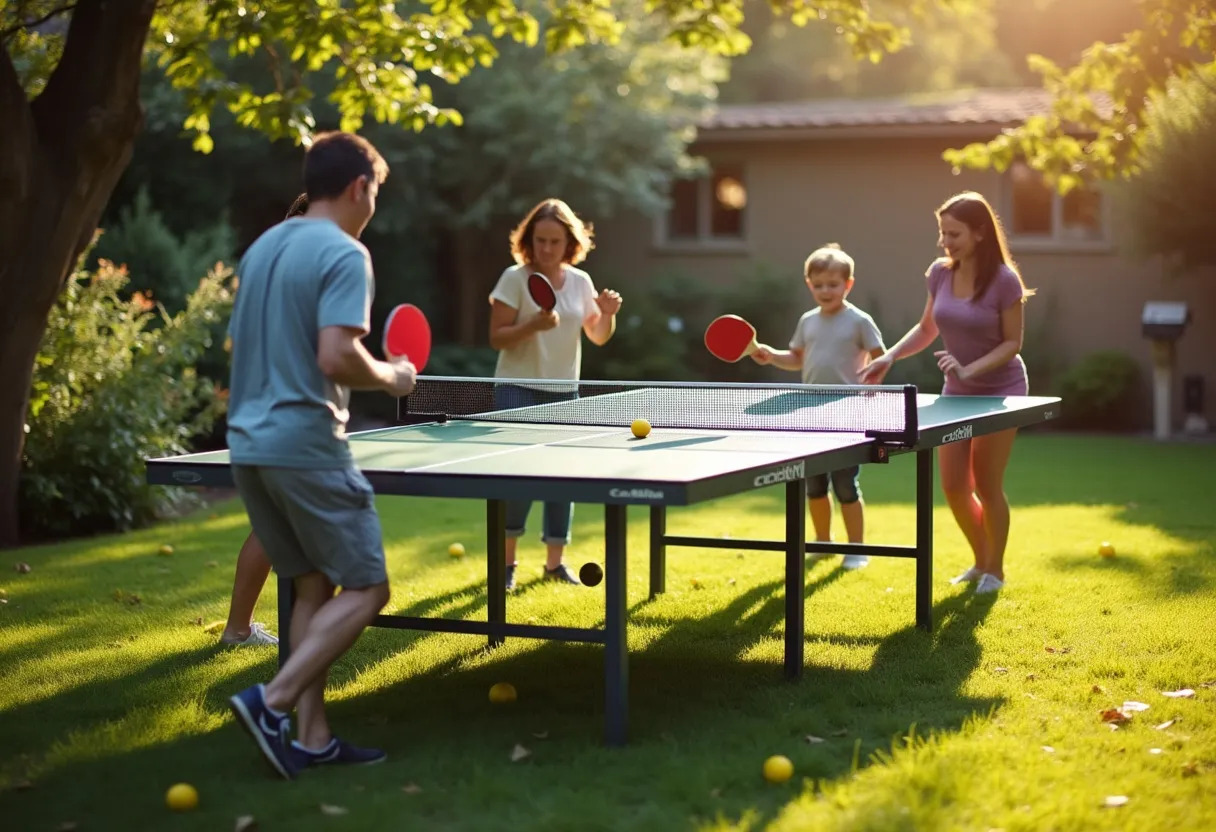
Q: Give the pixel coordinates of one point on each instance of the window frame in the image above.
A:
(705, 242)
(1057, 241)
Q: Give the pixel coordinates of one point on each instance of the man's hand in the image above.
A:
(405, 376)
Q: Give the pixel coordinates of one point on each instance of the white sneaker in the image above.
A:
(815, 557)
(855, 561)
(257, 637)
(988, 583)
(970, 576)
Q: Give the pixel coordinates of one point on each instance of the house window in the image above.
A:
(1035, 213)
(707, 210)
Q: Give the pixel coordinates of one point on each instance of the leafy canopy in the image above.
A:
(1096, 127)
(386, 57)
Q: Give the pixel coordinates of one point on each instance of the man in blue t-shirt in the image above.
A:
(302, 308)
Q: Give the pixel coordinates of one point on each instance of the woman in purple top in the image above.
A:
(975, 299)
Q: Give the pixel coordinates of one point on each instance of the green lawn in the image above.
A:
(112, 690)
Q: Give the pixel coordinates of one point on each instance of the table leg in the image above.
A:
(795, 575)
(616, 649)
(496, 570)
(658, 550)
(924, 540)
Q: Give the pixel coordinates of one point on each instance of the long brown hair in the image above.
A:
(578, 233)
(992, 249)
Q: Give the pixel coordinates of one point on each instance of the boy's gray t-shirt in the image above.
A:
(834, 346)
(298, 277)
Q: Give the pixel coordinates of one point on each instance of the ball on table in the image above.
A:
(590, 574)
(456, 550)
(640, 428)
(1106, 549)
(181, 797)
(778, 769)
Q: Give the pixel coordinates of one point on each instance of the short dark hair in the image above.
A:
(335, 159)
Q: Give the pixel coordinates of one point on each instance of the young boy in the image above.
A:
(831, 345)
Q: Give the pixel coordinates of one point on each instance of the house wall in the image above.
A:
(876, 198)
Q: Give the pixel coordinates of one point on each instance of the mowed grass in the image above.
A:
(112, 690)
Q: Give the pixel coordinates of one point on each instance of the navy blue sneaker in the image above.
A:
(562, 573)
(510, 577)
(268, 730)
(337, 752)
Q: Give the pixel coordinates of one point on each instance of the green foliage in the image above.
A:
(115, 383)
(166, 266)
(1096, 126)
(1102, 392)
(942, 47)
(1167, 209)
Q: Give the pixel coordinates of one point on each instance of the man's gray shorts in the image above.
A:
(313, 520)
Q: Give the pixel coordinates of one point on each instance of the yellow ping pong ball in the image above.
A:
(640, 428)
(456, 550)
(181, 797)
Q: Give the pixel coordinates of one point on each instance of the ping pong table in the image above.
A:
(708, 441)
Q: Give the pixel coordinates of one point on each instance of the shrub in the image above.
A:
(115, 383)
(164, 266)
(1101, 392)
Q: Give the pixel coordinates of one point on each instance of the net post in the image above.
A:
(911, 418)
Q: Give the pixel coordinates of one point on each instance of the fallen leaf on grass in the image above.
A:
(1097, 689)
(1165, 724)
(1131, 706)
(1190, 768)
(1060, 650)
(1049, 749)
(22, 567)
(842, 732)
(519, 752)
(246, 823)
(541, 735)
(124, 597)
(812, 739)
(1185, 693)
(1154, 751)
(1114, 801)
(1030, 677)
(330, 809)
(211, 564)
(1211, 684)
(1000, 670)
(411, 788)
(1115, 716)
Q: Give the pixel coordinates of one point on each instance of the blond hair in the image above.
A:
(829, 258)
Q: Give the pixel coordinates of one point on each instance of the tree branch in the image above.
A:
(29, 24)
(16, 139)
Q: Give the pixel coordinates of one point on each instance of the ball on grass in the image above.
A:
(502, 692)
(456, 550)
(1106, 549)
(590, 574)
(778, 769)
(640, 428)
(166, 549)
(181, 797)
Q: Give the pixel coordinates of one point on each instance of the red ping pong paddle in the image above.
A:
(541, 291)
(407, 334)
(730, 338)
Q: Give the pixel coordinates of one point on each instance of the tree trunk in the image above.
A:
(60, 157)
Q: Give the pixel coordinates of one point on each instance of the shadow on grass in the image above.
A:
(697, 710)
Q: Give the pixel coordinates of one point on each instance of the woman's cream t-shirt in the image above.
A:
(553, 353)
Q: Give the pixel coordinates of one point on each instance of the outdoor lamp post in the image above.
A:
(1163, 322)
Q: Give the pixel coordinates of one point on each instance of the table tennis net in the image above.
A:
(885, 411)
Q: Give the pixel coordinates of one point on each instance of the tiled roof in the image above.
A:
(952, 109)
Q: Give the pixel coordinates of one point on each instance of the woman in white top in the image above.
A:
(534, 344)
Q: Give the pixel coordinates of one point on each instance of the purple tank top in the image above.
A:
(971, 329)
